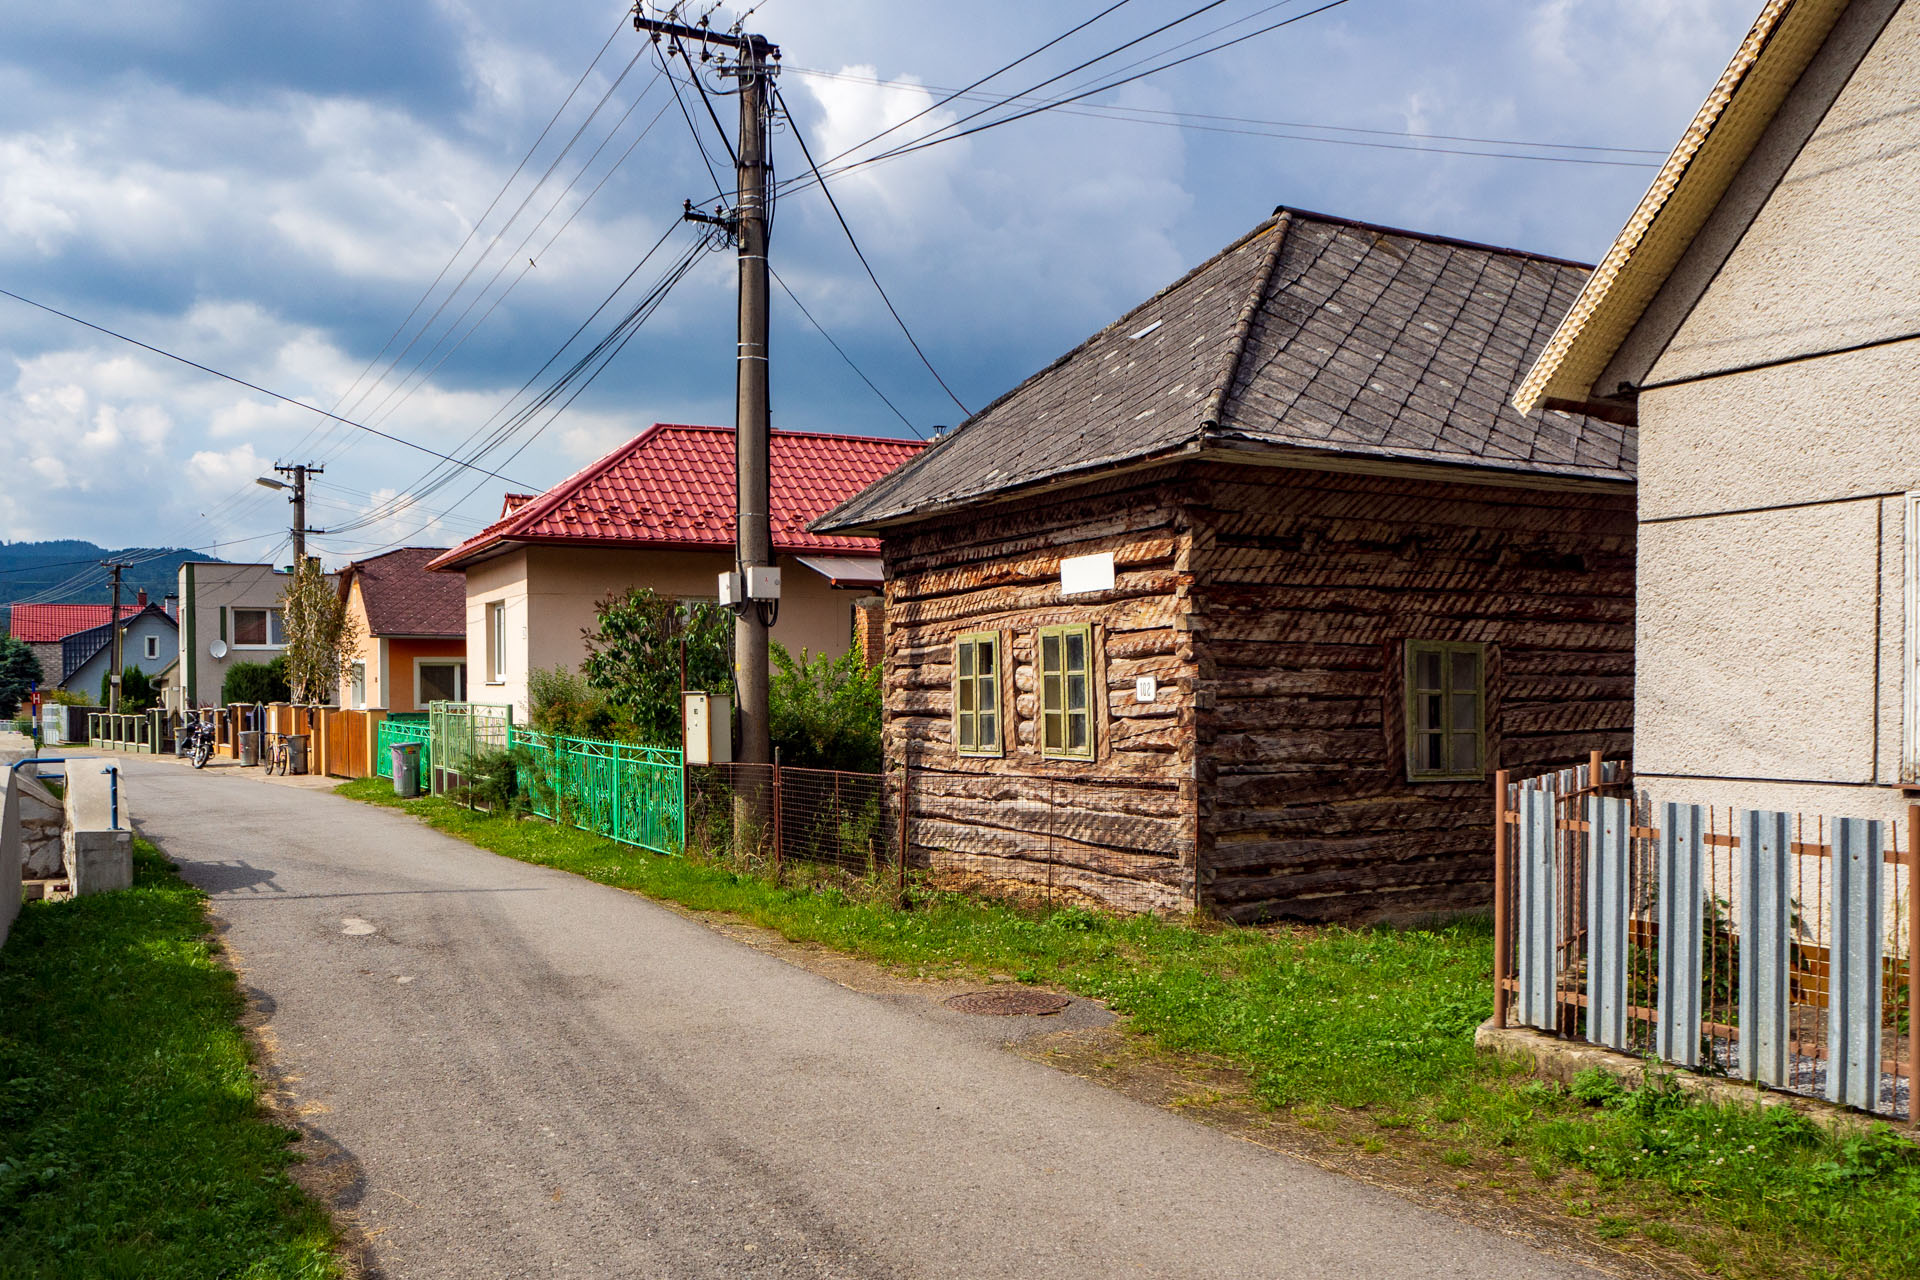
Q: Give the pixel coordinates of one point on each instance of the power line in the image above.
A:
(251, 386)
(801, 137)
(843, 355)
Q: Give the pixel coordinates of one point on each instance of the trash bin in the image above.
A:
(249, 746)
(297, 747)
(406, 768)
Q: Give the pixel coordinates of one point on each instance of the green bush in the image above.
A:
(825, 712)
(136, 691)
(562, 702)
(256, 682)
(633, 658)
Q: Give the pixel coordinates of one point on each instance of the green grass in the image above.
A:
(132, 1140)
(1335, 1024)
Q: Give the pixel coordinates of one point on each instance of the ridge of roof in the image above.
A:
(1764, 68)
(1339, 338)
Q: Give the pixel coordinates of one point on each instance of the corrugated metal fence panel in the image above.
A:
(1538, 944)
(1853, 983)
(1609, 823)
(1766, 933)
(1682, 905)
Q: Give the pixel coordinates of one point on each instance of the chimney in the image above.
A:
(171, 603)
(140, 601)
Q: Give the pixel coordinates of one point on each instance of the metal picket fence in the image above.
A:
(399, 728)
(627, 793)
(1765, 946)
(459, 731)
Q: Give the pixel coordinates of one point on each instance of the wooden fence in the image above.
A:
(1770, 946)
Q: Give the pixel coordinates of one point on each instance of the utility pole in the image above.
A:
(113, 671)
(299, 472)
(754, 65)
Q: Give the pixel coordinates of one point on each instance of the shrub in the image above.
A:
(633, 658)
(560, 701)
(19, 670)
(256, 682)
(136, 691)
(824, 713)
(493, 781)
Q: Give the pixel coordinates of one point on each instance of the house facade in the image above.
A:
(43, 628)
(1756, 320)
(1239, 605)
(658, 512)
(150, 642)
(413, 632)
(228, 613)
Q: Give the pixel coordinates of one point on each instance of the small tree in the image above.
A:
(136, 690)
(19, 671)
(824, 713)
(256, 682)
(633, 657)
(321, 635)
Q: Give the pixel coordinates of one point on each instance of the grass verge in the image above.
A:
(132, 1137)
(1363, 1036)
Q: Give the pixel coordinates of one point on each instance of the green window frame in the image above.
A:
(1066, 692)
(1446, 711)
(976, 694)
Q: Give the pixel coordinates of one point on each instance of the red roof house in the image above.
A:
(52, 623)
(658, 512)
(413, 632)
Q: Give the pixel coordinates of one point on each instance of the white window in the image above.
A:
(439, 680)
(153, 646)
(358, 699)
(258, 629)
(497, 642)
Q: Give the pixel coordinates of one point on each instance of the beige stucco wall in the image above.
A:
(1831, 258)
(219, 587)
(550, 594)
(1772, 597)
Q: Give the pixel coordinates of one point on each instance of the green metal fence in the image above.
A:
(627, 793)
(406, 729)
(460, 730)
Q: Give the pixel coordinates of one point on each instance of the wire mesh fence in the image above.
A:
(1763, 946)
(774, 815)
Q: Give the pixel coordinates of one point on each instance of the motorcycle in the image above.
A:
(196, 741)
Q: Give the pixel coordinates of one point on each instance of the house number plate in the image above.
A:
(1145, 689)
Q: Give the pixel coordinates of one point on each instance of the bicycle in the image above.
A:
(278, 754)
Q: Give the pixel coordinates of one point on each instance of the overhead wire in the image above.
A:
(785, 288)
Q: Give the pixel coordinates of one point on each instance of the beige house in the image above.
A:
(412, 626)
(228, 613)
(658, 512)
(1759, 320)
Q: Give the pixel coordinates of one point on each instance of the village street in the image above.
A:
(539, 1075)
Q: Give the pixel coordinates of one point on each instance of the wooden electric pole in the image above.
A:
(300, 472)
(753, 67)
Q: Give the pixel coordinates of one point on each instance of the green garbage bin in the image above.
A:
(406, 768)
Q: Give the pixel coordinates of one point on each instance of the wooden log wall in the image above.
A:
(1307, 586)
(1120, 829)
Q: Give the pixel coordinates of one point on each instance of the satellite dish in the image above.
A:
(218, 648)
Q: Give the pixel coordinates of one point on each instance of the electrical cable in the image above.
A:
(251, 386)
(843, 355)
(801, 138)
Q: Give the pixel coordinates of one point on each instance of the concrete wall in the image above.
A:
(1771, 635)
(208, 593)
(550, 594)
(98, 849)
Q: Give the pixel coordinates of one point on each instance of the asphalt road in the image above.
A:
(541, 1076)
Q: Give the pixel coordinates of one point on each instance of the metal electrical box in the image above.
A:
(763, 582)
(707, 720)
(729, 590)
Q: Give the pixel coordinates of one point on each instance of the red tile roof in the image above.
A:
(403, 599)
(45, 623)
(672, 485)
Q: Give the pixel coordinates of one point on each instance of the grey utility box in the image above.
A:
(406, 768)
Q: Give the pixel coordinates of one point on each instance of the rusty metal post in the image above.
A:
(1596, 766)
(1502, 908)
(1913, 954)
(778, 835)
(905, 772)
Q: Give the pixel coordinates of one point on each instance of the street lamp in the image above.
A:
(265, 483)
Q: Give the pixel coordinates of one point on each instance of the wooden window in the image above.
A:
(1066, 692)
(976, 694)
(1446, 711)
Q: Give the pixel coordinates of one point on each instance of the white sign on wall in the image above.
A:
(1082, 574)
(1145, 689)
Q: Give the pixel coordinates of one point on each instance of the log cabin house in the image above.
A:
(1238, 605)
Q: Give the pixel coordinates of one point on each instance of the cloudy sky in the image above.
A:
(352, 204)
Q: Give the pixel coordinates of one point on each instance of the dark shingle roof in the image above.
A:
(1311, 332)
(403, 599)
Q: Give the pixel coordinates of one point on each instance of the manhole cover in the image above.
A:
(1009, 1002)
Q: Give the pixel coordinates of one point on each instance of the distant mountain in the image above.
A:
(70, 572)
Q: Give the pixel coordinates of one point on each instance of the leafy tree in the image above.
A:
(633, 658)
(559, 700)
(321, 636)
(256, 682)
(19, 670)
(824, 713)
(136, 690)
